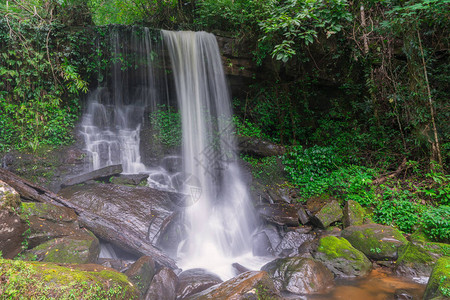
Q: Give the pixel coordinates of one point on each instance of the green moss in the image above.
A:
(411, 253)
(32, 280)
(439, 282)
(334, 247)
(419, 239)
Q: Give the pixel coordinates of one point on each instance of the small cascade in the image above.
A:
(112, 121)
(219, 221)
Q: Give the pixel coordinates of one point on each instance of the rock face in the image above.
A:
(438, 287)
(258, 147)
(299, 275)
(414, 261)
(129, 179)
(12, 227)
(248, 285)
(279, 213)
(163, 286)
(377, 242)
(37, 280)
(291, 242)
(328, 214)
(354, 214)
(194, 281)
(129, 217)
(338, 255)
(141, 273)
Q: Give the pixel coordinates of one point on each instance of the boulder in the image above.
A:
(279, 213)
(101, 173)
(354, 214)
(414, 261)
(438, 287)
(12, 230)
(9, 198)
(35, 280)
(134, 226)
(376, 241)
(141, 273)
(328, 214)
(248, 285)
(163, 286)
(194, 281)
(341, 258)
(257, 147)
(129, 179)
(303, 215)
(261, 244)
(72, 250)
(47, 222)
(299, 275)
(291, 241)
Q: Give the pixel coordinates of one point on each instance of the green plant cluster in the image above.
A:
(167, 126)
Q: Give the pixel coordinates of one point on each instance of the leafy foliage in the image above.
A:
(167, 124)
(436, 223)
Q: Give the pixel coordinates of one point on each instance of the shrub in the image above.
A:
(167, 125)
(436, 223)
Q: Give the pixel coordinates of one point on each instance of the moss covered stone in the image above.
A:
(341, 258)
(328, 214)
(414, 261)
(435, 249)
(34, 280)
(377, 242)
(438, 286)
(354, 214)
(9, 198)
(67, 250)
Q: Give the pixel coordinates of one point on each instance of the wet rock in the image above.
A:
(438, 286)
(120, 265)
(338, 255)
(141, 273)
(328, 214)
(313, 205)
(291, 241)
(308, 248)
(299, 275)
(94, 175)
(163, 286)
(239, 269)
(194, 281)
(283, 195)
(261, 245)
(303, 215)
(129, 179)
(67, 250)
(414, 261)
(279, 213)
(377, 242)
(402, 295)
(133, 226)
(248, 285)
(55, 281)
(354, 214)
(9, 198)
(47, 222)
(12, 230)
(258, 147)
(172, 164)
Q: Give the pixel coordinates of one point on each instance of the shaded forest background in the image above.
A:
(357, 91)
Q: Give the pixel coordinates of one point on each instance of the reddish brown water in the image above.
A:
(377, 286)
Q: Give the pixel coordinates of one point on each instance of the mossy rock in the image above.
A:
(413, 261)
(435, 249)
(67, 250)
(328, 214)
(341, 258)
(438, 286)
(376, 241)
(36, 280)
(141, 273)
(354, 214)
(9, 198)
(48, 211)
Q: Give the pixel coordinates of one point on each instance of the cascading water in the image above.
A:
(112, 122)
(220, 222)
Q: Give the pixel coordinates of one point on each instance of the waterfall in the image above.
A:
(115, 110)
(220, 220)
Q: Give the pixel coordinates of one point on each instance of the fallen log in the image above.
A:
(108, 231)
